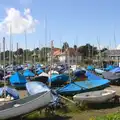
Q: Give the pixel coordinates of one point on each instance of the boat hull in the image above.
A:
(21, 107)
(95, 97)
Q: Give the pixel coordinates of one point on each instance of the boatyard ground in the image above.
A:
(85, 114)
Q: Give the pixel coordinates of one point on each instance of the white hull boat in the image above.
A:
(95, 96)
(26, 105)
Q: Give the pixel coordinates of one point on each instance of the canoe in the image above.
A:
(95, 97)
(26, 105)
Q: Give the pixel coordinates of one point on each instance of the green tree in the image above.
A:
(65, 46)
(87, 50)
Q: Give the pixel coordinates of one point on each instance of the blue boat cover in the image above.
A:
(38, 65)
(79, 72)
(92, 76)
(28, 73)
(90, 67)
(40, 71)
(17, 78)
(61, 78)
(109, 67)
(115, 70)
(37, 69)
(76, 87)
(36, 87)
(12, 92)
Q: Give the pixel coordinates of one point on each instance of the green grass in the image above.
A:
(114, 116)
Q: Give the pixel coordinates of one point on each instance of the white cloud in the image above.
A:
(118, 47)
(18, 22)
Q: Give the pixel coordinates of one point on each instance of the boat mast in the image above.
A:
(76, 52)
(10, 46)
(45, 27)
(26, 57)
(4, 64)
(92, 51)
(34, 54)
(116, 47)
(0, 54)
(51, 46)
(98, 41)
(115, 40)
(39, 52)
(17, 52)
(12, 51)
(51, 62)
(69, 64)
(23, 56)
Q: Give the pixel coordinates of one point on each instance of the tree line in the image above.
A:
(86, 51)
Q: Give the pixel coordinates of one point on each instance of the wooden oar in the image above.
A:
(71, 101)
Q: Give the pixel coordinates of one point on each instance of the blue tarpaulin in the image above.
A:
(90, 67)
(115, 70)
(36, 87)
(9, 91)
(77, 87)
(40, 71)
(28, 73)
(17, 78)
(92, 76)
(109, 67)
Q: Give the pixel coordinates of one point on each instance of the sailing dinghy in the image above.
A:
(95, 97)
(23, 106)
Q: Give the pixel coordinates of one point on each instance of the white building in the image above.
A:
(70, 56)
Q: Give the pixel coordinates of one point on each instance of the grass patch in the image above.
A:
(115, 116)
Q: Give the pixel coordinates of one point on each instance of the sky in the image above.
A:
(75, 21)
